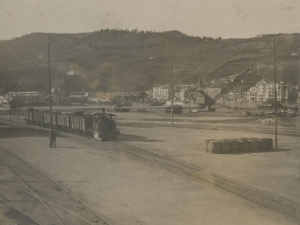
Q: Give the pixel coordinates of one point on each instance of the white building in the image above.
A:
(250, 95)
(156, 92)
(264, 91)
(70, 73)
(283, 91)
(3, 100)
(161, 92)
(165, 89)
(253, 93)
(31, 96)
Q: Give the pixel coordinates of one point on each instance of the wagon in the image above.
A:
(54, 119)
(64, 122)
(41, 117)
(28, 116)
(36, 117)
(83, 125)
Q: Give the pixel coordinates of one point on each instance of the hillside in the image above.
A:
(115, 60)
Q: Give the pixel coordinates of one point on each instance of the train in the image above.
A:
(97, 125)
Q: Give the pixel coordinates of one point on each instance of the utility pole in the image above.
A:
(50, 106)
(17, 96)
(172, 84)
(275, 93)
(172, 97)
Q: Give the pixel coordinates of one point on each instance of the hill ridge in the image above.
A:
(120, 60)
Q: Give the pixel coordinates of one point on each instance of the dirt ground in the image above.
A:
(127, 191)
(276, 172)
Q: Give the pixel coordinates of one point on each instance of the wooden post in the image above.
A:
(275, 93)
(172, 97)
(50, 99)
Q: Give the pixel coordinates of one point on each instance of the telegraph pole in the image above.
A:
(275, 93)
(172, 91)
(172, 97)
(17, 96)
(50, 106)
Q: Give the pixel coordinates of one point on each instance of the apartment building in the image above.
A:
(161, 92)
(264, 91)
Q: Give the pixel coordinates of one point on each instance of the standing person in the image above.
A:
(53, 139)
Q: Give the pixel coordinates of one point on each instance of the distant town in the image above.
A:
(263, 91)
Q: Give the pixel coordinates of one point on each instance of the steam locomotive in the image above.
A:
(101, 126)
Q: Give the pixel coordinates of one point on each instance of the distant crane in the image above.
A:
(205, 101)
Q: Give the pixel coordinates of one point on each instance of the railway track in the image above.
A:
(273, 204)
(259, 199)
(43, 200)
(265, 129)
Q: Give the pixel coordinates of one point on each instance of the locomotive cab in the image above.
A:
(104, 126)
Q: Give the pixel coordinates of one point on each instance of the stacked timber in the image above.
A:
(233, 146)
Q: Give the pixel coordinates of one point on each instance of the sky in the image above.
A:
(210, 18)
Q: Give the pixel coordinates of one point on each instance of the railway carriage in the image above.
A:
(53, 117)
(36, 117)
(64, 121)
(28, 116)
(46, 118)
(41, 117)
(83, 125)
